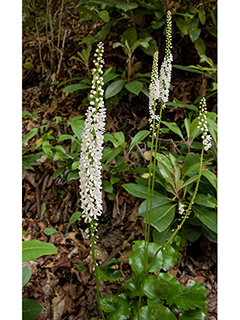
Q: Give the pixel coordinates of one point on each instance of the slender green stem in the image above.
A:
(149, 207)
(96, 270)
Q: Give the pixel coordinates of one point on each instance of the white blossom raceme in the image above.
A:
(181, 208)
(160, 83)
(92, 141)
(202, 124)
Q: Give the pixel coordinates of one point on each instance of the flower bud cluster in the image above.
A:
(181, 208)
(92, 141)
(160, 84)
(202, 125)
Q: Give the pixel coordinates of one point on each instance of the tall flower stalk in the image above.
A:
(91, 154)
(158, 94)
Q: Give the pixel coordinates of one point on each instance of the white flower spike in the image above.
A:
(202, 125)
(92, 141)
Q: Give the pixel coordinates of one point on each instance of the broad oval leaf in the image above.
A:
(138, 138)
(139, 190)
(126, 6)
(74, 217)
(134, 86)
(34, 249)
(192, 296)
(50, 231)
(165, 258)
(155, 312)
(211, 177)
(30, 309)
(114, 88)
(117, 306)
(26, 275)
(163, 212)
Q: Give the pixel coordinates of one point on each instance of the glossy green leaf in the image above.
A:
(74, 217)
(200, 46)
(34, 249)
(209, 234)
(165, 235)
(26, 275)
(117, 306)
(104, 15)
(139, 191)
(49, 231)
(211, 177)
(30, 309)
(190, 180)
(130, 34)
(202, 16)
(119, 136)
(176, 167)
(205, 200)
(112, 154)
(193, 30)
(133, 283)
(192, 296)
(156, 312)
(79, 266)
(163, 212)
(126, 6)
(197, 314)
(30, 135)
(76, 87)
(65, 137)
(173, 127)
(138, 138)
(192, 232)
(163, 286)
(108, 273)
(114, 88)
(182, 25)
(58, 172)
(187, 126)
(189, 164)
(107, 187)
(77, 128)
(134, 86)
(207, 217)
(72, 175)
(165, 258)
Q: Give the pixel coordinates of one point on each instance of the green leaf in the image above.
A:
(30, 309)
(75, 165)
(187, 126)
(211, 177)
(134, 86)
(207, 217)
(176, 167)
(155, 312)
(28, 65)
(192, 232)
(34, 249)
(190, 180)
(65, 137)
(26, 275)
(112, 155)
(91, 13)
(163, 286)
(126, 6)
(43, 208)
(77, 128)
(109, 274)
(80, 266)
(165, 258)
(49, 231)
(174, 127)
(104, 15)
(108, 77)
(58, 172)
(209, 234)
(163, 212)
(117, 305)
(74, 217)
(114, 88)
(119, 136)
(139, 190)
(189, 164)
(205, 200)
(200, 46)
(202, 16)
(193, 30)
(133, 283)
(76, 87)
(72, 175)
(114, 180)
(30, 135)
(107, 187)
(129, 35)
(197, 314)
(192, 296)
(138, 138)
(182, 25)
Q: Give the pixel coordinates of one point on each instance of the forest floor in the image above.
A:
(56, 284)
